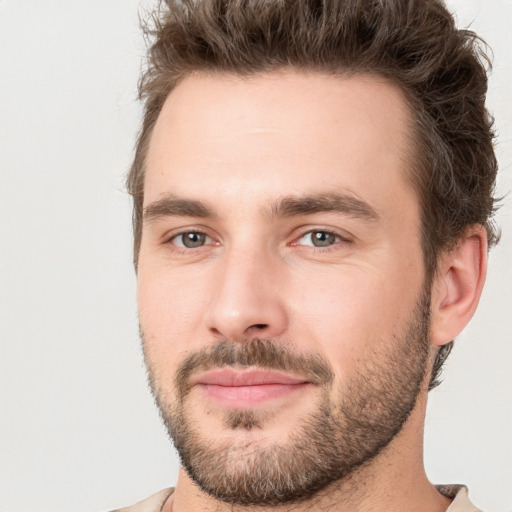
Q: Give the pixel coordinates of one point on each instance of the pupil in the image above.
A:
(323, 239)
(193, 240)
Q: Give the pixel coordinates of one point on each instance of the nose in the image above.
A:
(247, 299)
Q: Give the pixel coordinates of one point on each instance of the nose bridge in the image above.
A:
(246, 302)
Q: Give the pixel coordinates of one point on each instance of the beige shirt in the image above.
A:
(459, 493)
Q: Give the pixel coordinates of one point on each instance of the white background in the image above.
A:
(78, 428)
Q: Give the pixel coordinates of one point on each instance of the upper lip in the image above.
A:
(250, 377)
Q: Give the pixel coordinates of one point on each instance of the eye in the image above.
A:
(319, 239)
(191, 240)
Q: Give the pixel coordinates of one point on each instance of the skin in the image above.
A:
(258, 275)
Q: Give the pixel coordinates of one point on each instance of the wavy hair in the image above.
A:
(413, 43)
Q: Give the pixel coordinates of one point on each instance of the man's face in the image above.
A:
(280, 282)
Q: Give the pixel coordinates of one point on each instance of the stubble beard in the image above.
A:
(347, 429)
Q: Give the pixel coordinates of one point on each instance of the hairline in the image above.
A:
(412, 154)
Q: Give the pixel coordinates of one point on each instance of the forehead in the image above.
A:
(220, 136)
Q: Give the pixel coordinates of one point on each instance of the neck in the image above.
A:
(394, 480)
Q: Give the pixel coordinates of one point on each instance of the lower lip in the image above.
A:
(246, 396)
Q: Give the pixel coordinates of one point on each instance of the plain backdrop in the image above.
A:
(79, 430)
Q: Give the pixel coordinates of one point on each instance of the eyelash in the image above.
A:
(184, 249)
(339, 239)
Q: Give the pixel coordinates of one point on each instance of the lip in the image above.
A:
(251, 377)
(247, 388)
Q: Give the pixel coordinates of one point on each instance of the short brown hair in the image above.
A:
(412, 43)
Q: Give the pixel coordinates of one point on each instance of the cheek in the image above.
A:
(353, 312)
(170, 312)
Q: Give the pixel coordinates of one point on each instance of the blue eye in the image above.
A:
(191, 240)
(319, 239)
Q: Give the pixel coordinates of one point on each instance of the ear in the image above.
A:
(458, 285)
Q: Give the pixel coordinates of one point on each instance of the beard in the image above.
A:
(347, 428)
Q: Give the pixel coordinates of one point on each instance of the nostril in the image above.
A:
(260, 326)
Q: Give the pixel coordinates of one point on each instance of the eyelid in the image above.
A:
(208, 239)
(311, 234)
(179, 230)
(171, 234)
(343, 235)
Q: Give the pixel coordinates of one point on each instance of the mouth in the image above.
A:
(247, 388)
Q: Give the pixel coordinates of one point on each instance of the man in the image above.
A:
(313, 192)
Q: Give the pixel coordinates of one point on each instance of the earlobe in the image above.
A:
(458, 285)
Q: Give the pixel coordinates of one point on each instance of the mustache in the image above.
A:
(260, 352)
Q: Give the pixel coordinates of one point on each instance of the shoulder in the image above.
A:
(460, 502)
(153, 503)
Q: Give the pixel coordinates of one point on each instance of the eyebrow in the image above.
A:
(345, 203)
(289, 206)
(172, 206)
